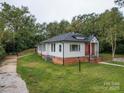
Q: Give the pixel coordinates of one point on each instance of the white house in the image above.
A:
(70, 48)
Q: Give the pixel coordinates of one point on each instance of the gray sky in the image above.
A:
(56, 10)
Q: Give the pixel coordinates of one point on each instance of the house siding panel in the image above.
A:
(57, 53)
(67, 52)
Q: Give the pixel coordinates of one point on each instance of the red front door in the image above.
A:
(88, 50)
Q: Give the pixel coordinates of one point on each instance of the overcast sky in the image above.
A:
(56, 10)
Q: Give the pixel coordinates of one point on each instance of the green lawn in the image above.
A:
(119, 63)
(45, 77)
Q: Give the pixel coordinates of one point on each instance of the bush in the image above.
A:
(2, 52)
(120, 49)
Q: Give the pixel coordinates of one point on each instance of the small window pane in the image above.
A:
(53, 47)
(60, 48)
(74, 47)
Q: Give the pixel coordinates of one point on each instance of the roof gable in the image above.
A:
(94, 40)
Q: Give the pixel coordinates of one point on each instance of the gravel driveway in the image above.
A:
(10, 81)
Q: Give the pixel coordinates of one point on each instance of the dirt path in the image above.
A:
(10, 81)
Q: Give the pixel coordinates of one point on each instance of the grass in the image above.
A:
(119, 63)
(108, 56)
(45, 77)
(26, 52)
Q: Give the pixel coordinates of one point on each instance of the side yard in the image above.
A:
(45, 77)
(107, 56)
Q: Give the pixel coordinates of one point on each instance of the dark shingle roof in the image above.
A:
(71, 36)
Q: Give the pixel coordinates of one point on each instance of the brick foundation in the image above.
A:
(57, 60)
(72, 60)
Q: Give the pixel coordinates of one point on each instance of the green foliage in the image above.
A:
(111, 22)
(55, 28)
(119, 2)
(85, 24)
(2, 52)
(18, 28)
(120, 49)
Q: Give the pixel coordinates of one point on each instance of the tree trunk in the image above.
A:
(114, 46)
(113, 54)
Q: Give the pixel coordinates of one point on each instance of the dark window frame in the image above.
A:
(60, 48)
(74, 47)
(53, 47)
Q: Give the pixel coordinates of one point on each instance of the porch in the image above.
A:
(92, 51)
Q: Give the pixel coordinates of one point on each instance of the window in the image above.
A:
(53, 47)
(60, 48)
(74, 47)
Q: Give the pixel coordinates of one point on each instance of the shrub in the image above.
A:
(120, 49)
(2, 52)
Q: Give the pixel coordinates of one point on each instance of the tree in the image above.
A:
(41, 33)
(63, 26)
(21, 23)
(2, 52)
(52, 29)
(119, 2)
(112, 23)
(85, 24)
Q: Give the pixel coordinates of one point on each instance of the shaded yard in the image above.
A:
(45, 77)
(107, 56)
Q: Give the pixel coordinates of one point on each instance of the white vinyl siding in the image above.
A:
(67, 53)
(57, 52)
